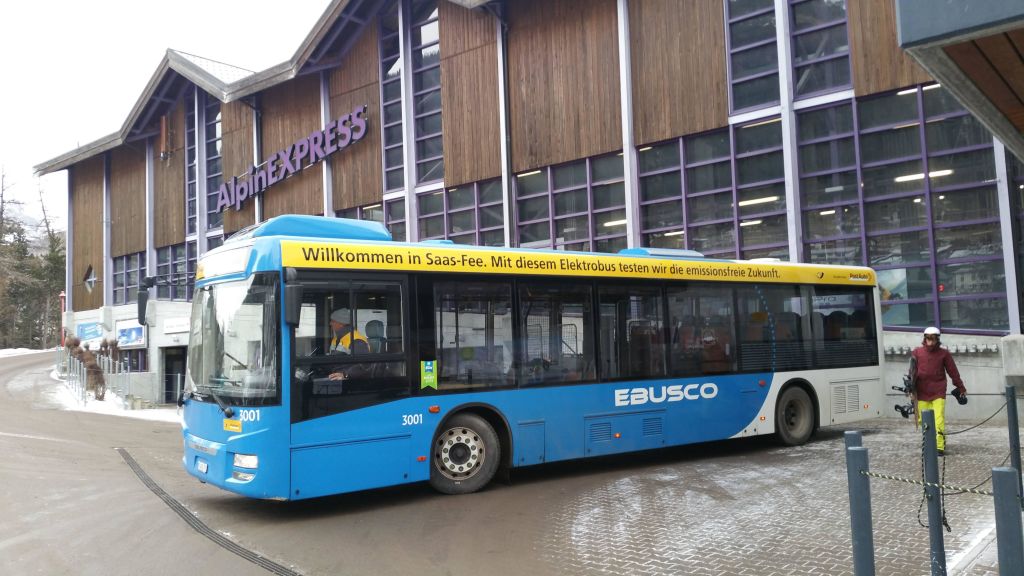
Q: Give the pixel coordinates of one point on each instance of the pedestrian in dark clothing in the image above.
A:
(933, 364)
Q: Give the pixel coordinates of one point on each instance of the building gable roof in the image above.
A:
(327, 43)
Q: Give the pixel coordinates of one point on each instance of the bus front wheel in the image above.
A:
(465, 455)
(794, 416)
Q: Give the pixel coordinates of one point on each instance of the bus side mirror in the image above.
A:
(292, 303)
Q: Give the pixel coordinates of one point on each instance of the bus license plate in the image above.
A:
(201, 466)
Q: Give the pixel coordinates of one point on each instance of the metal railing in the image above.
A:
(109, 376)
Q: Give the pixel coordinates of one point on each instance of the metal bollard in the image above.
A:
(934, 494)
(1014, 431)
(860, 507)
(853, 439)
(1009, 534)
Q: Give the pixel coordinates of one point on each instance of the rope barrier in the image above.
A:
(923, 483)
(976, 425)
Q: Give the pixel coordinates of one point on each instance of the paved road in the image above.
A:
(70, 505)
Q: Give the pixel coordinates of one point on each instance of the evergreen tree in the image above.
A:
(29, 284)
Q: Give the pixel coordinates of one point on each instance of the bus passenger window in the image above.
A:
(772, 321)
(701, 333)
(556, 323)
(473, 332)
(843, 329)
(630, 337)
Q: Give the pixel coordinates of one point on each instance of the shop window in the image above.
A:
(135, 360)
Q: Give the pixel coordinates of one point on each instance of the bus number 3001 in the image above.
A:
(412, 419)
(249, 415)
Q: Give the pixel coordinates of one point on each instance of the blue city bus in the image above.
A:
(326, 358)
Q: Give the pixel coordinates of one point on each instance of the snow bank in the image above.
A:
(111, 404)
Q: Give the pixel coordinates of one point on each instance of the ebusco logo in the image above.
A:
(657, 395)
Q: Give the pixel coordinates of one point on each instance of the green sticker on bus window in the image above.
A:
(428, 374)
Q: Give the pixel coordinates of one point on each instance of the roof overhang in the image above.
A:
(975, 49)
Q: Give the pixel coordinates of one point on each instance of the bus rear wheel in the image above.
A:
(794, 416)
(465, 455)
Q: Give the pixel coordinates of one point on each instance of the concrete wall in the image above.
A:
(144, 385)
(979, 359)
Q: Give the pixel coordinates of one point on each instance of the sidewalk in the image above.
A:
(982, 560)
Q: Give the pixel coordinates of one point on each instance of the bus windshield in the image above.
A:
(232, 354)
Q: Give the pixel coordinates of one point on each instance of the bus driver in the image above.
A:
(349, 341)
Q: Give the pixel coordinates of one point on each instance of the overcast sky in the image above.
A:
(70, 71)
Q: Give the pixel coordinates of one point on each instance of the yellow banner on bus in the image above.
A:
(409, 258)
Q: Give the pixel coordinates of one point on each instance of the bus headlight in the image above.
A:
(247, 461)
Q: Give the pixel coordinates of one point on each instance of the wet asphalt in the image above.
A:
(70, 505)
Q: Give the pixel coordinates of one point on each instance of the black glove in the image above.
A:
(960, 396)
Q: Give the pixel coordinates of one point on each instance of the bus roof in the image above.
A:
(340, 243)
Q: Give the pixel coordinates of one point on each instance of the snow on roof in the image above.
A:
(224, 72)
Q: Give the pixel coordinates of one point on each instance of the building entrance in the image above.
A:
(174, 372)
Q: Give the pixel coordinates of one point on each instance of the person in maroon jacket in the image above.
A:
(933, 363)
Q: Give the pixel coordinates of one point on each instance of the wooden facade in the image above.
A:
(357, 170)
(996, 65)
(128, 199)
(87, 233)
(679, 72)
(563, 81)
(469, 95)
(237, 130)
(878, 62)
(290, 111)
(169, 185)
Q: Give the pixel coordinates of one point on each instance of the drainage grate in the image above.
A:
(199, 526)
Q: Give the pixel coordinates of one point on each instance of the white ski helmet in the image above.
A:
(932, 331)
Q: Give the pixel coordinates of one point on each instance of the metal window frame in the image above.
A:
(550, 192)
(927, 190)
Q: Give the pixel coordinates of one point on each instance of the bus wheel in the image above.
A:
(465, 455)
(794, 416)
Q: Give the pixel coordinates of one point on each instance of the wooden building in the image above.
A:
(762, 129)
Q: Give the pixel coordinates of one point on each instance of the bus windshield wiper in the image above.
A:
(228, 412)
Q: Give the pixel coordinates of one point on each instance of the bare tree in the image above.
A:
(51, 276)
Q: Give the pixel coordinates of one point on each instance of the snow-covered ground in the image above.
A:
(19, 351)
(111, 404)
